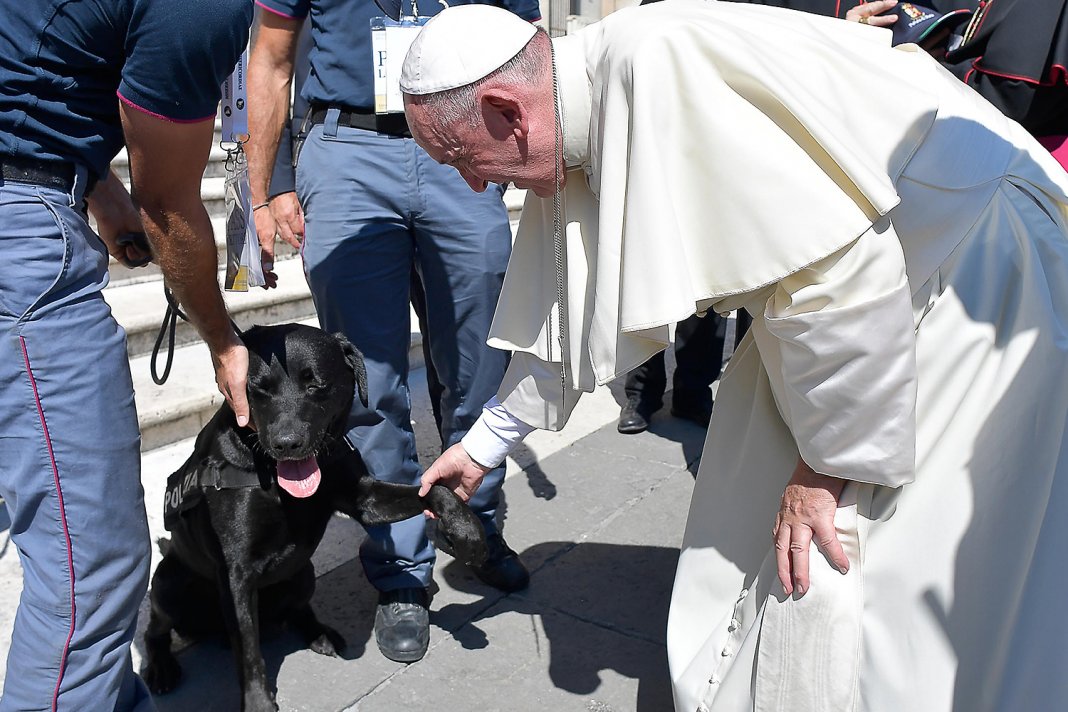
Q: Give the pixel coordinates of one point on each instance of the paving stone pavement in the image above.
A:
(596, 516)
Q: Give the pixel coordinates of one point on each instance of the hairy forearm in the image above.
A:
(181, 235)
(269, 83)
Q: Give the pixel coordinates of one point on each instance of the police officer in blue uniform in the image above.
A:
(77, 80)
(375, 205)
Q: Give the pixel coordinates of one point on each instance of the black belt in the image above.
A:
(53, 174)
(389, 124)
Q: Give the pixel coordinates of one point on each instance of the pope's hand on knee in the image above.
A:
(806, 513)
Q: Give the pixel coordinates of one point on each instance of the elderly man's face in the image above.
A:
(508, 145)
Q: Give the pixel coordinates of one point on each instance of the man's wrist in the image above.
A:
(222, 341)
(484, 468)
(494, 435)
(483, 447)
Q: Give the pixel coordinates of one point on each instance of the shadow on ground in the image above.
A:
(344, 600)
(664, 425)
(602, 607)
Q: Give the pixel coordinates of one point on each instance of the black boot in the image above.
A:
(402, 624)
(634, 416)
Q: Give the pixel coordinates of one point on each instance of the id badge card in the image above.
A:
(390, 40)
(244, 268)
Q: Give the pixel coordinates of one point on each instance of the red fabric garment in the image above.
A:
(1058, 146)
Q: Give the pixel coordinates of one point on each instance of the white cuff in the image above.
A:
(495, 434)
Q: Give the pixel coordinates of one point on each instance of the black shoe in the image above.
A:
(634, 416)
(503, 570)
(402, 624)
(699, 412)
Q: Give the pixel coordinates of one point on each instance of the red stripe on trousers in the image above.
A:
(62, 519)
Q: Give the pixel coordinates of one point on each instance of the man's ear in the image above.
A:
(354, 359)
(504, 114)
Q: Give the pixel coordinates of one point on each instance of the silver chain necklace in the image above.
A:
(558, 230)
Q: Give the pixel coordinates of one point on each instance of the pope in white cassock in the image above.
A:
(896, 415)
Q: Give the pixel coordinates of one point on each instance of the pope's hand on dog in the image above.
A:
(455, 470)
(458, 525)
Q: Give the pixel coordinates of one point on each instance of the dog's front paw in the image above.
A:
(162, 673)
(258, 699)
(329, 643)
(458, 525)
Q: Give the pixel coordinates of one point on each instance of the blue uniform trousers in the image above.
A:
(374, 206)
(69, 445)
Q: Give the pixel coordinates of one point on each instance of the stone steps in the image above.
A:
(140, 306)
(121, 275)
(179, 408)
(187, 400)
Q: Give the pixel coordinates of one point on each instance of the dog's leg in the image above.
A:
(239, 597)
(161, 671)
(378, 502)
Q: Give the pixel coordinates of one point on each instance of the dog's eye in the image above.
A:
(312, 383)
(317, 387)
(259, 387)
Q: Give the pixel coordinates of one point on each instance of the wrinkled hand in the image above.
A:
(454, 469)
(807, 513)
(870, 13)
(231, 375)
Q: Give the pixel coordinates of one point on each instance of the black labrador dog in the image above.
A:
(249, 507)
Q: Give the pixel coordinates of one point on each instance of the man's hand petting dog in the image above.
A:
(455, 470)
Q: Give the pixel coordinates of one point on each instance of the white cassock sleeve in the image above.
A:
(840, 348)
(494, 435)
(531, 397)
(532, 391)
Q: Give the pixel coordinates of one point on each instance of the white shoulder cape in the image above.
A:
(706, 171)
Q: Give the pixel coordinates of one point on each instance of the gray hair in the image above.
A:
(461, 104)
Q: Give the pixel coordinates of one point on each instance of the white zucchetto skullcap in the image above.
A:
(461, 45)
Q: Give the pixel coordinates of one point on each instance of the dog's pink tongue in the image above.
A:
(299, 478)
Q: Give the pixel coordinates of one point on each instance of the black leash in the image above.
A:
(167, 331)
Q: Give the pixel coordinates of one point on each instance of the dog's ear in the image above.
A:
(354, 359)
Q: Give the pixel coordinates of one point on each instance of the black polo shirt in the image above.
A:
(64, 66)
(340, 58)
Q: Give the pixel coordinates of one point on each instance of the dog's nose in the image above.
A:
(287, 443)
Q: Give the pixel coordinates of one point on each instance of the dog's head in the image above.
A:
(301, 383)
